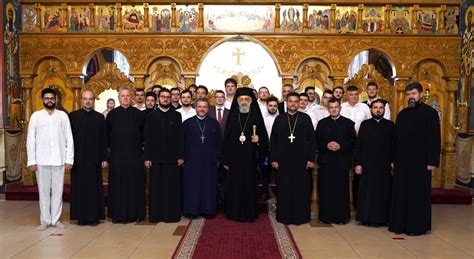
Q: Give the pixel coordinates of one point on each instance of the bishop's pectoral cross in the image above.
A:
(238, 54)
(291, 137)
(202, 139)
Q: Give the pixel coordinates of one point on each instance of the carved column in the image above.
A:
(201, 17)
(305, 17)
(146, 13)
(173, 18)
(91, 18)
(189, 80)
(77, 83)
(338, 81)
(360, 11)
(118, 27)
(400, 102)
(277, 17)
(448, 172)
(38, 15)
(139, 81)
(27, 86)
(332, 19)
(388, 9)
(441, 29)
(414, 12)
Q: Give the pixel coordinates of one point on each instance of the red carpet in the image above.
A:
(30, 193)
(222, 238)
(443, 196)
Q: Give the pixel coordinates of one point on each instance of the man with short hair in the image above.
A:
(285, 90)
(150, 101)
(230, 85)
(372, 93)
(90, 153)
(50, 150)
(373, 162)
(156, 89)
(201, 92)
(312, 96)
(140, 99)
(164, 155)
(321, 110)
(357, 112)
(338, 92)
(263, 95)
(126, 200)
(418, 145)
(268, 119)
(292, 153)
(192, 90)
(335, 140)
(303, 107)
(175, 98)
(186, 110)
(203, 141)
(219, 112)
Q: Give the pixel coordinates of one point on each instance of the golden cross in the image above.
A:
(238, 54)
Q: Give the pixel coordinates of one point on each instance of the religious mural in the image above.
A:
(400, 20)
(346, 19)
(451, 19)
(319, 18)
(29, 18)
(53, 19)
(187, 18)
(105, 18)
(239, 18)
(160, 18)
(291, 19)
(79, 18)
(373, 19)
(426, 21)
(133, 19)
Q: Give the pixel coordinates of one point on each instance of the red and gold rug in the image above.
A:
(222, 238)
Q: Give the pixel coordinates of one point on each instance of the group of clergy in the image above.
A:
(173, 149)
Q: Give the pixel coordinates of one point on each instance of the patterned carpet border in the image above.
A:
(189, 239)
(283, 236)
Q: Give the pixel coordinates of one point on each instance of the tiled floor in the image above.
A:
(452, 237)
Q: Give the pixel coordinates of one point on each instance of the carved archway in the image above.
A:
(367, 74)
(313, 72)
(109, 77)
(164, 71)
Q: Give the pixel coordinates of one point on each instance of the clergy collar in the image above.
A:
(335, 119)
(378, 120)
(84, 109)
(125, 108)
(163, 109)
(292, 113)
(201, 118)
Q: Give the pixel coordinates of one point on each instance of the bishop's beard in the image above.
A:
(244, 109)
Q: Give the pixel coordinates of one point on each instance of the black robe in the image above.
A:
(241, 181)
(126, 202)
(418, 145)
(90, 149)
(375, 152)
(333, 176)
(164, 145)
(293, 178)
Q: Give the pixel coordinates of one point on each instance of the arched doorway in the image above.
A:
(244, 59)
(105, 71)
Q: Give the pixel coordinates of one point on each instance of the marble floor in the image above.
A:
(452, 237)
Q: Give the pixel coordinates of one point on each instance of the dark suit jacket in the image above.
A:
(281, 107)
(212, 113)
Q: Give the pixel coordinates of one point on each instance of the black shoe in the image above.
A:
(324, 222)
(416, 233)
(208, 216)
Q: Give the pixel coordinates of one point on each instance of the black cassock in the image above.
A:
(164, 145)
(126, 202)
(375, 152)
(293, 178)
(241, 182)
(418, 144)
(90, 149)
(333, 176)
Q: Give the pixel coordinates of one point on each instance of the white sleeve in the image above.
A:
(387, 114)
(31, 141)
(69, 140)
